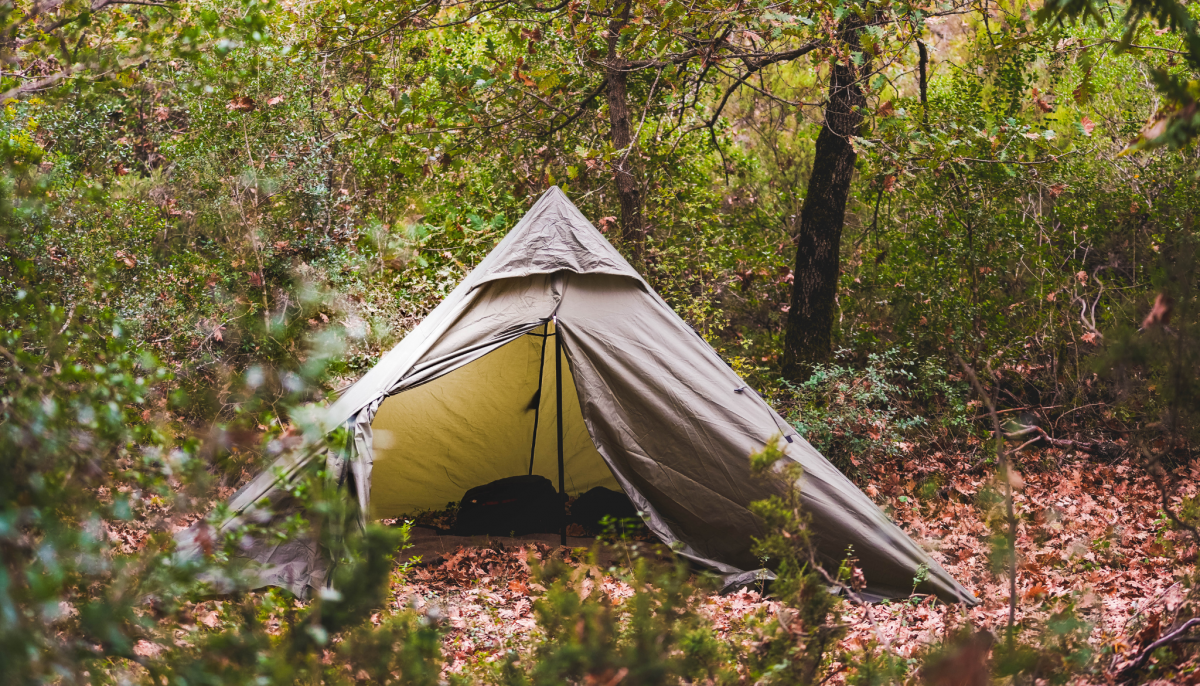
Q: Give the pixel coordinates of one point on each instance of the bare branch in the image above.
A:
(754, 67)
(1129, 670)
(582, 107)
(33, 86)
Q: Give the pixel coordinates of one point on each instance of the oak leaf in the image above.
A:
(242, 103)
(1160, 312)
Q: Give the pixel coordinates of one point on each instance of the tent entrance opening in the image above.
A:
(484, 421)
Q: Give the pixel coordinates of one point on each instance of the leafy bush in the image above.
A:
(857, 415)
(793, 645)
(654, 636)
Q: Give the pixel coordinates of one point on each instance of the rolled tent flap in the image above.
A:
(648, 405)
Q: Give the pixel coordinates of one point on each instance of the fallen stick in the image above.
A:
(1130, 669)
(1089, 447)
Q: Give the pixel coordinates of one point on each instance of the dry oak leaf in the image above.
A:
(1160, 312)
(144, 648)
(1087, 124)
(964, 665)
(128, 260)
(606, 223)
(242, 103)
(517, 75)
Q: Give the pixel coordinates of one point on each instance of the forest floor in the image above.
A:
(1092, 536)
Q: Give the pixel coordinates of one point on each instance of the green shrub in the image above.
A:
(856, 415)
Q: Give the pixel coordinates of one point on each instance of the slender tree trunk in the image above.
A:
(808, 337)
(633, 230)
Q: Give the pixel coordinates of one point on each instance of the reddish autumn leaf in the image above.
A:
(1036, 592)
(204, 539)
(1087, 124)
(1160, 312)
(965, 665)
(242, 103)
(606, 223)
(517, 75)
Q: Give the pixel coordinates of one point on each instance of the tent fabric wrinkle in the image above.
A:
(554, 237)
(646, 405)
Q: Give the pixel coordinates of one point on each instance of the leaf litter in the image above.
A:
(1090, 533)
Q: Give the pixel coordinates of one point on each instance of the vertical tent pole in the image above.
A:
(537, 398)
(562, 489)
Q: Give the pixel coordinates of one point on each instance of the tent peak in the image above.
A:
(553, 236)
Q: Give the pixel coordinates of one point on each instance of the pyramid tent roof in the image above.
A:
(648, 406)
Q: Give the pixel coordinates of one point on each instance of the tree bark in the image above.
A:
(633, 230)
(809, 334)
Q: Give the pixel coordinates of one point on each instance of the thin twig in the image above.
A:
(67, 322)
(1151, 602)
(1002, 462)
(1021, 447)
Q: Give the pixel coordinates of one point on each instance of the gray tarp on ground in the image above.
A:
(648, 405)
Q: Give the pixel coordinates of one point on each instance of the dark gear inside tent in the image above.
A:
(555, 333)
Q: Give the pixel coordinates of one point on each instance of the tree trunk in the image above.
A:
(809, 334)
(633, 230)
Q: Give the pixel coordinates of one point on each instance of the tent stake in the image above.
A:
(537, 401)
(562, 489)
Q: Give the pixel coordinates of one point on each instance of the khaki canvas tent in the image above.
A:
(642, 404)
